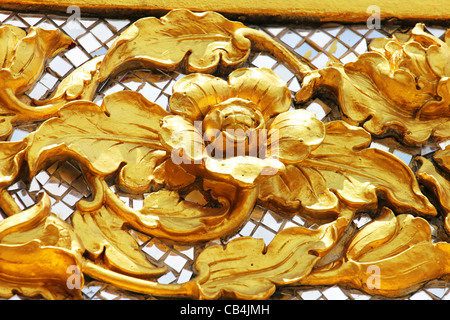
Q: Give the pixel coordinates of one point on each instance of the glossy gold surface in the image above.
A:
(265, 10)
(399, 247)
(231, 139)
(401, 84)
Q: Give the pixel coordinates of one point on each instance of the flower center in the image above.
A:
(234, 128)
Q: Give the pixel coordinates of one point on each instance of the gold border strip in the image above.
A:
(249, 10)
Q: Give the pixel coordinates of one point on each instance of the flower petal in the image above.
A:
(426, 39)
(294, 134)
(195, 94)
(379, 45)
(437, 107)
(438, 57)
(263, 87)
(416, 61)
(181, 137)
(244, 171)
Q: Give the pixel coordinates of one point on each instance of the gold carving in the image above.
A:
(23, 59)
(343, 170)
(200, 41)
(247, 269)
(242, 138)
(36, 251)
(399, 247)
(230, 139)
(436, 179)
(401, 84)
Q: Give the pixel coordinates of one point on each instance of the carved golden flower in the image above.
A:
(240, 130)
(402, 83)
(417, 66)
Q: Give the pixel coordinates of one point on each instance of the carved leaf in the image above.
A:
(246, 269)
(361, 103)
(103, 232)
(10, 36)
(173, 176)
(122, 134)
(11, 159)
(181, 215)
(79, 84)
(167, 215)
(22, 59)
(37, 245)
(391, 256)
(29, 55)
(202, 41)
(342, 169)
(442, 158)
(437, 183)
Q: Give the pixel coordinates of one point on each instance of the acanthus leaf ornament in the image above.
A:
(434, 175)
(167, 216)
(248, 269)
(98, 137)
(442, 158)
(398, 248)
(203, 41)
(81, 84)
(343, 169)
(23, 59)
(11, 160)
(109, 243)
(232, 137)
(37, 251)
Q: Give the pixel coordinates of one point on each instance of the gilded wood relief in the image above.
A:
(232, 138)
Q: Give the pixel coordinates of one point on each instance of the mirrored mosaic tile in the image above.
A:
(311, 294)
(334, 293)
(167, 278)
